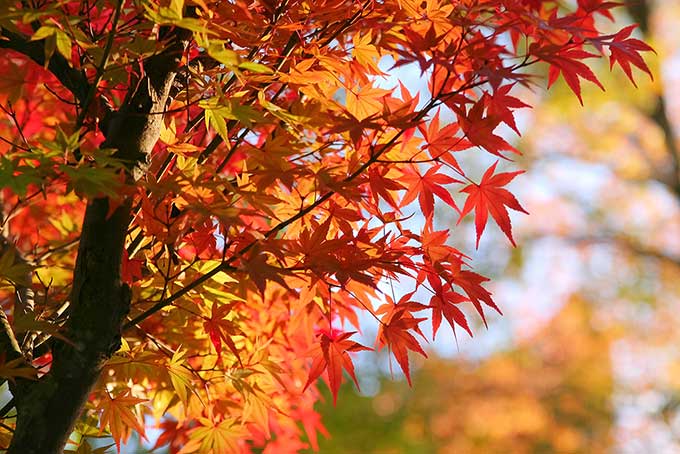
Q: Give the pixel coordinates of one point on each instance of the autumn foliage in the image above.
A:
(248, 174)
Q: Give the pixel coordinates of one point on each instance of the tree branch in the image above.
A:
(74, 80)
(660, 117)
(622, 242)
(640, 12)
(225, 265)
(23, 304)
(8, 342)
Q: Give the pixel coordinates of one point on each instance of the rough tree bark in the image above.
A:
(47, 409)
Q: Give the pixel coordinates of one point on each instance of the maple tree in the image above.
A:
(604, 185)
(244, 177)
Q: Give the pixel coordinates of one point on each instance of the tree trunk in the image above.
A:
(48, 409)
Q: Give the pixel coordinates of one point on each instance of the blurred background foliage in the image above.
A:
(548, 394)
(587, 356)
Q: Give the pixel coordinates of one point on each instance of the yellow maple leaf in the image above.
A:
(213, 437)
(180, 376)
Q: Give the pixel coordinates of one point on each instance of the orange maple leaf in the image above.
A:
(119, 416)
(365, 101)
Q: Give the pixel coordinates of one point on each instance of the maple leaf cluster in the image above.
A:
(277, 200)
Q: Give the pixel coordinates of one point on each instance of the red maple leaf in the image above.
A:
(382, 186)
(425, 187)
(311, 422)
(443, 304)
(471, 283)
(331, 354)
(627, 51)
(394, 332)
(568, 63)
(199, 243)
(489, 197)
(130, 269)
(219, 328)
(478, 128)
(500, 103)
